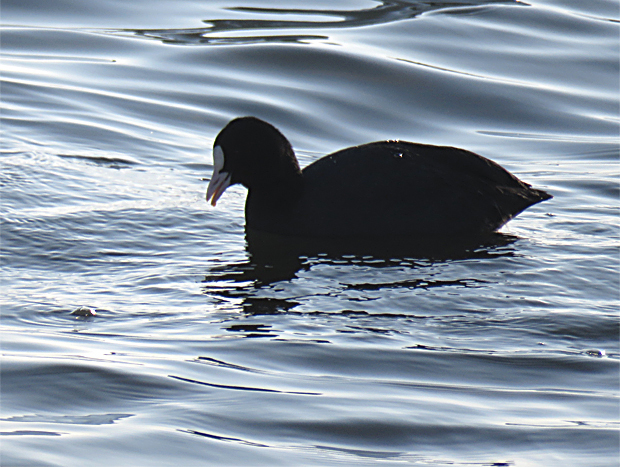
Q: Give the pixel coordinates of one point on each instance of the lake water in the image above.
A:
(200, 353)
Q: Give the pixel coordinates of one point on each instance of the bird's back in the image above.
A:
(400, 188)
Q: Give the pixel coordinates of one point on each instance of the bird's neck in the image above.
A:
(275, 204)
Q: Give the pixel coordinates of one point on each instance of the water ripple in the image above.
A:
(235, 30)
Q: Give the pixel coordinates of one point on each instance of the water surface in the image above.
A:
(200, 352)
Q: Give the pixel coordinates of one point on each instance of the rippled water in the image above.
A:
(200, 352)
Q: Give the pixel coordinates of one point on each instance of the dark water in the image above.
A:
(202, 354)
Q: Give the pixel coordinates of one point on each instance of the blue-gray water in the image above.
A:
(201, 356)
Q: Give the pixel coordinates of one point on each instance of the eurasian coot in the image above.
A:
(384, 188)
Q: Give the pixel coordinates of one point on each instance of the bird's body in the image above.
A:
(377, 189)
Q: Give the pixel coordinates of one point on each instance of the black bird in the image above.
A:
(386, 188)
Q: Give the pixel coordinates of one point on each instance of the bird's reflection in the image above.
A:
(275, 258)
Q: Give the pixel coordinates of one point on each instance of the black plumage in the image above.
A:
(377, 189)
